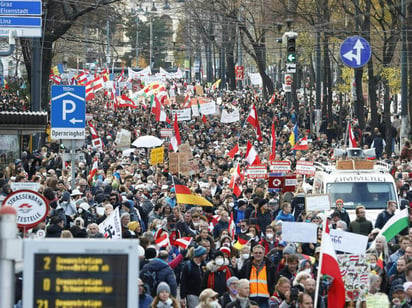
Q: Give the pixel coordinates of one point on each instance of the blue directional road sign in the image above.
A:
(68, 112)
(20, 8)
(16, 22)
(355, 51)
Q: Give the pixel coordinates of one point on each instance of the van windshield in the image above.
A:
(372, 195)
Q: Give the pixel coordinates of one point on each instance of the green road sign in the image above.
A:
(291, 57)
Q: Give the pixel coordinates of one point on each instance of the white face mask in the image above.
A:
(269, 236)
(231, 204)
(219, 262)
(215, 304)
(245, 256)
(373, 264)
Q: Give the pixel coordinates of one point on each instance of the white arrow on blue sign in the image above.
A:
(355, 51)
(68, 112)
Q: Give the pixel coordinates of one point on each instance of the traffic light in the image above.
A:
(291, 49)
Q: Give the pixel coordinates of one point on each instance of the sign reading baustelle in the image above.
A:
(68, 112)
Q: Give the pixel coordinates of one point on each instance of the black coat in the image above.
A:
(191, 280)
(236, 304)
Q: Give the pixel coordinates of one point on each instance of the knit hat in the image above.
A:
(282, 243)
(407, 285)
(163, 286)
(397, 287)
(231, 280)
(289, 250)
(199, 251)
(218, 253)
(225, 249)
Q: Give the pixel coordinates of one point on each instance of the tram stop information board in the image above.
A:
(80, 273)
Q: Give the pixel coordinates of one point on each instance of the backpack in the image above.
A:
(189, 268)
(149, 279)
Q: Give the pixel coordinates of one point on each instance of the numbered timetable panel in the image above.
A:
(92, 277)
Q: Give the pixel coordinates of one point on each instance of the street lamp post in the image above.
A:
(151, 42)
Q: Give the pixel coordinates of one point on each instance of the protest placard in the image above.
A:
(157, 156)
(299, 232)
(354, 270)
(317, 203)
(349, 242)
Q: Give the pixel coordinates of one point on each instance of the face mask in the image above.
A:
(243, 231)
(245, 256)
(231, 204)
(214, 304)
(195, 224)
(373, 265)
(233, 291)
(80, 210)
(219, 262)
(307, 220)
(172, 226)
(308, 270)
(269, 236)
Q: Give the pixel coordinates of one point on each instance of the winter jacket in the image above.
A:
(163, 273)
(285, 217)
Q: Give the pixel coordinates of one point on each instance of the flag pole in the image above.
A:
(320, 261)
(347, 134)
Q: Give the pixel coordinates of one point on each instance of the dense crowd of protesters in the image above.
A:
(213, 271)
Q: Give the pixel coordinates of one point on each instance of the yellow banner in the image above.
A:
(157, 156)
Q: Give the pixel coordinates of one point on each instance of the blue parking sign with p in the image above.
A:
(68, 112)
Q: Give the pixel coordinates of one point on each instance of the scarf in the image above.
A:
(168, 303)
(211, 278)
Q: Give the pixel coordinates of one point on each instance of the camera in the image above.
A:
(294, 293)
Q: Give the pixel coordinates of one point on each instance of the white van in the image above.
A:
(357, 182)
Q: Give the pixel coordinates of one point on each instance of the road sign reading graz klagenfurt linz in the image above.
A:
(68, 112)
(355, 51)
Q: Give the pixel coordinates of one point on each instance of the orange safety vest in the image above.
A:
(258, 282)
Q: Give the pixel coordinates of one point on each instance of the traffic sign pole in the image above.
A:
(73, 180)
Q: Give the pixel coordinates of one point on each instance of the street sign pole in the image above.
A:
(73, 158)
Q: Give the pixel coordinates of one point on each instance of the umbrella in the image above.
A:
(147, 142)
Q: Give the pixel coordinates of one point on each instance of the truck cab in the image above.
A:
(357, 182)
